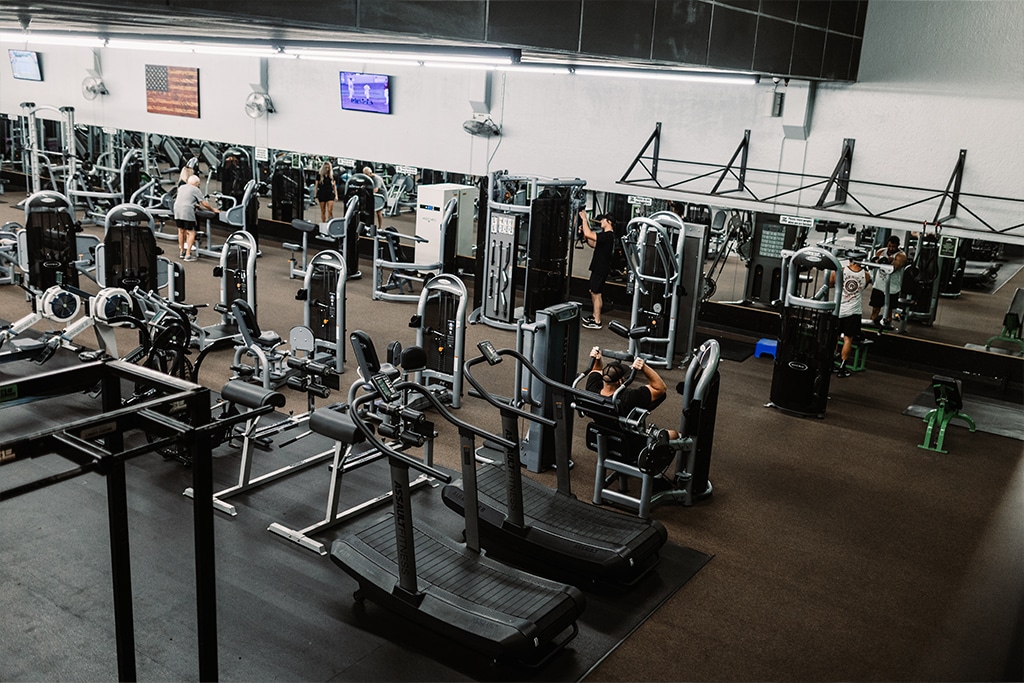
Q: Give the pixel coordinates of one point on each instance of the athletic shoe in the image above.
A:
(181, 254)
(591, 324)
(191, 257)
(843, 372)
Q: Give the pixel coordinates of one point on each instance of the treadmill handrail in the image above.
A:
(546, 421)
(589, 398)
(447, 415)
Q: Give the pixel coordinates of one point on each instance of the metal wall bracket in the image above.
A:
(954, 182)
(654, 139)
(741, 178)
(840, 178)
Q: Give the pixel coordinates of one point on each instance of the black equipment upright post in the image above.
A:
(120, 554)
(405, 543)
(202, 524)
(359, 186)
(808, 334)
(514, 475)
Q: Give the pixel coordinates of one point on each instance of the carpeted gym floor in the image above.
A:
(841, 551)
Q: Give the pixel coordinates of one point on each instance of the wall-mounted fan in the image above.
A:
(258, 104)
(93, 87)
(481, 125)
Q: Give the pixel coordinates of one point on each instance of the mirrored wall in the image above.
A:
(974, 280)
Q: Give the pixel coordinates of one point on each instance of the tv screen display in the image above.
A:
(366, 92)
(25, 65)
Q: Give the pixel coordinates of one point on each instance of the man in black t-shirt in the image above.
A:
(606, 379)
(603, 243)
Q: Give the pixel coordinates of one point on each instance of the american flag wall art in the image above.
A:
(172, 90)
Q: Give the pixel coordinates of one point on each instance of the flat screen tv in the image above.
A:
(25, 65)
(366, 92)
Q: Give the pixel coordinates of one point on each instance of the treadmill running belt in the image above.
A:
(563, 538)
(478, 602)
(544, 506)
(459, 573)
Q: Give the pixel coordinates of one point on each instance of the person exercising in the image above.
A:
(603, 243)
(851, 308)
(606, 379)
(891, 282)
(189, 195)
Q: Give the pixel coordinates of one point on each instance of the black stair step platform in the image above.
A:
(563, 536)
(488, 607)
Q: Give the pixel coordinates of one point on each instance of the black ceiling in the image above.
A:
(814, 39)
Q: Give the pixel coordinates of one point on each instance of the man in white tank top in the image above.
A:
(851, 308)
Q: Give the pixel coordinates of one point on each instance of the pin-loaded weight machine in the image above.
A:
(440, 323)
(129, 257)
(527, 244)
(237, 273)
(808, 333)
(665, 256)
(323, 299)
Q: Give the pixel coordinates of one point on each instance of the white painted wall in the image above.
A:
(936, 76)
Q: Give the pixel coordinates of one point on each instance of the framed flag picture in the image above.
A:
(172, 90)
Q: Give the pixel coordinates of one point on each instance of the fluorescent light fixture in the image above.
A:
(74, 40)
(414, 55)
(666, 75)
(453, 54)
(194, 48)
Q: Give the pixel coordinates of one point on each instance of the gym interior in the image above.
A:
(205, 474)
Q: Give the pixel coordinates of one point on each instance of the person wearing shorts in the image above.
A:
(189, 195)
(851, 308)
(603, 243)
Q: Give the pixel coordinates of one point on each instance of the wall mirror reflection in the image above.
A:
(962, 286)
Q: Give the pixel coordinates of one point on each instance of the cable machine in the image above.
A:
(665, 256)
(527, 245)
(35, 147)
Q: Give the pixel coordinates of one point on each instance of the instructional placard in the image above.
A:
(799, 221)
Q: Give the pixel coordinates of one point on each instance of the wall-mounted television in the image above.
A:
(366, 92)
(25, 65)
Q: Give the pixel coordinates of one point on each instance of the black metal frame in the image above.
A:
(650, 159)
(96, 444)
